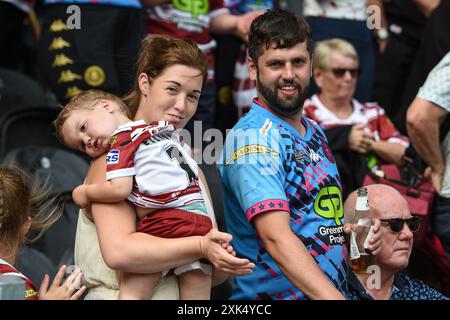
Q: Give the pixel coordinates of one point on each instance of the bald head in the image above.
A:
(383, 201)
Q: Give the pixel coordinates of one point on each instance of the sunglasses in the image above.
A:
(340, 72)
(397, 224)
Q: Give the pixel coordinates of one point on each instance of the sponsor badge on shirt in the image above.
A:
(112, 157)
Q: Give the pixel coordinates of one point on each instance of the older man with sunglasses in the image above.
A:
(360, 134)
(397, 227)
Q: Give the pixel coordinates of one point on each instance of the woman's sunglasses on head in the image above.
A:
(397, 224)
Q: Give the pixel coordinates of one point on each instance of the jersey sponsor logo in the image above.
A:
(113, 157)
(194, 7)
(250, 149)
(334, 235)
(328, 204)
(299, 156)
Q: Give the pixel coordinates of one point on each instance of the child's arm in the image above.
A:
(111, 191)
(238, 26)
(220, 277)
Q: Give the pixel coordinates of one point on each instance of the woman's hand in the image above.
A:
(214, 247)
(66, 291)
(360, 139)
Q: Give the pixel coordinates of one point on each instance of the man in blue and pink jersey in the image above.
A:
(282, 190)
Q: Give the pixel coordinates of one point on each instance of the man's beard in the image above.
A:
(287, 106)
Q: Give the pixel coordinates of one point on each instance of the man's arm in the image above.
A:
(291, 255)
(423, 119)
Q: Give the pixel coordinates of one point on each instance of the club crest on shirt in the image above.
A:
(112, 140)
(112, 157)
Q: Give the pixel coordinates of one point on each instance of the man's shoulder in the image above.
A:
(250, 119)
(314, 127)
(255, 124)
(436, 87)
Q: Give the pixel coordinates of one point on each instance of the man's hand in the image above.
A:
(435, 176)
(79, 196)
(375, 239)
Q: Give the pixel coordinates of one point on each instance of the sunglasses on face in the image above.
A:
(397, 224)
(340, 72)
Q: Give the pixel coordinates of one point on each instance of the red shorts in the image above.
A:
(174, 223)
